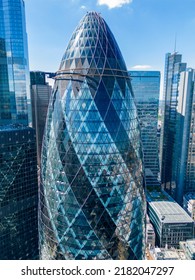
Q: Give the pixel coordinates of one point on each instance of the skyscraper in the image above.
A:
(18, 161)
(173, 68)
(18, 193)
(146, 89)
(184, 145)
(14, 72)
(190, 170)
(92, 198)
(40, 94)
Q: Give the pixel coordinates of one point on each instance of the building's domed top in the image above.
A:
(92, 46)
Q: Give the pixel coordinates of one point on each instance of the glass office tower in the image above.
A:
(146, 89)
(173, 68)
(92, 199)
(185, 136)
(18, 193)
(14, 71)
(190, 172)
(40, 94)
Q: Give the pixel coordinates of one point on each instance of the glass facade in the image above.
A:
(14, 71)
(171, 222)
(184, 135)
(92, 198)
(40, 94)
(173, 68)
(18, 193)
(146, 89)
(190, 170)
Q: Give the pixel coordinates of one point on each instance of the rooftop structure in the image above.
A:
(165, 254)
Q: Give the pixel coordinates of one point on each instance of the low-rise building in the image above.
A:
(189, 248)
(171, 222)
(165, 254)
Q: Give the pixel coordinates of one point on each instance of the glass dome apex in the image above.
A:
(92, 45)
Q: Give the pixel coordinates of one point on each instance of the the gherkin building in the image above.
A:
(92, 203)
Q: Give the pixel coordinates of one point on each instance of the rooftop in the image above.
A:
(157, 194)
(168, 210)
(167, 254)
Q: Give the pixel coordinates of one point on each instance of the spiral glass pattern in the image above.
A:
(92, 199)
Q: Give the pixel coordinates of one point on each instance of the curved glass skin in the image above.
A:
(92, 200)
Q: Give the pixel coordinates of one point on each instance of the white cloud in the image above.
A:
(114, 3)
(141, 67)
(83, 7)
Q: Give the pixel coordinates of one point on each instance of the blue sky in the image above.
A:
(144, 29)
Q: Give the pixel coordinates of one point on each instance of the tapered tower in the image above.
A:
(92, 198)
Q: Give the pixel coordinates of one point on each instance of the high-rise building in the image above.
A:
(173, 68)
(146, 89)
(189, 185)
(40, 94)
(18, 193)
(185, 136)
(14, 71)
(92, 197)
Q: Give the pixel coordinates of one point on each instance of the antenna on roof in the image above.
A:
(175, 46)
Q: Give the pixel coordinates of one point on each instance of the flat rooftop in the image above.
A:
(170, 212)
(166, 208)
(168, 254)
(171, 255)
(157, 194)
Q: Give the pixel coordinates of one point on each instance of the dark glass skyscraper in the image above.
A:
(185, 163)
(18, 161)
(40, 94)
(92, 199)
(146, 89)
(173, 68)
(18, 193)
(190, 170)
(14, 73)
